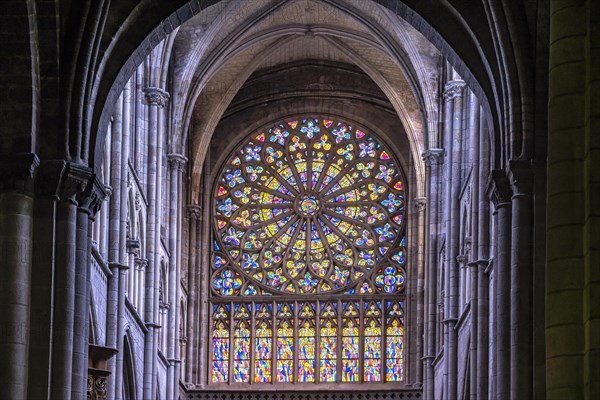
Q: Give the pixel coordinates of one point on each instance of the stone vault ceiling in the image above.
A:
(216, 52)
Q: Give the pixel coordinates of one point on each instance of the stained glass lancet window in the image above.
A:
(309, 258)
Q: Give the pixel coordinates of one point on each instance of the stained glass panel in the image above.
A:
(285, 343)
(220, 342)
(309, 206)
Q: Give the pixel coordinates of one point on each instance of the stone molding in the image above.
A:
(406, 393)
(453, 89)
(156, 96)
(176, 161)
(194, 211)
(18, 172)
(433, 156)
(499, 188)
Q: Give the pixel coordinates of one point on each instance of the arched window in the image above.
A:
(308, 261)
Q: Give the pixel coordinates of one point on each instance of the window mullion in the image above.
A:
(317, 344)
(252, 345)
(296, 348)
(361, 341)
(231, 343)
(338, 361)
(383, 342)
(274, 343)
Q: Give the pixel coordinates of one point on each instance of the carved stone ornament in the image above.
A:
(453, 89)
(433, 156)
(176, 161)
(74, 182)
(499, 189)
(91, 199)
(194, 211)
(156, 97)
(420, 203)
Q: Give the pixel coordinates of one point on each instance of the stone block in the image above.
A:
(564, 376)
(564, 340)
(566, 307)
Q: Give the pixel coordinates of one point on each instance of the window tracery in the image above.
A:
(308, 207)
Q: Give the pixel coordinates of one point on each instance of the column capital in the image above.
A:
(520, 174)
(499, 189)
(433, 156)
(176, 161)
(462, 259)
(156, 96)
(420, 203)
(90, 200)
(71, 180)
(141, 263)
(18, 172)
(453, 89)
(194, 211)
(133, 247)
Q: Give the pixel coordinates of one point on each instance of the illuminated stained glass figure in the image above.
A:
(308, 264)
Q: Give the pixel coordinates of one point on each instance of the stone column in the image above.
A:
(74, 181)
(194, 215)
(483, 255)
(420, 204)
(432, 159)
(16, 241)
(500, 194)
(521, 293)
(453, 92)
(47, 188)
(176, 165)
(156, 99)
(572, 309)
(89, 203)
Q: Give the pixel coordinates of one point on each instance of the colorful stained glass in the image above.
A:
(328, 343)
(306, 345)
(309, 206)
(329, 192)
(285, 343)
(220, 343)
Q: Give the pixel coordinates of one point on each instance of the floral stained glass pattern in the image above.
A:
(308, 261)
(308, 206)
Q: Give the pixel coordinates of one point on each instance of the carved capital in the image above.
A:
(461, 259)
(520, 174)
(18, 172)
(74, 182)
(91, 199)
(453, 89)
(156, 97)
(176, 161)
(194, 211)
(499, 189)
(420, 203)
(142, 263)
(133, 247)
(433, 156)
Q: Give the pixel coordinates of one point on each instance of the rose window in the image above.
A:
(309, 206)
